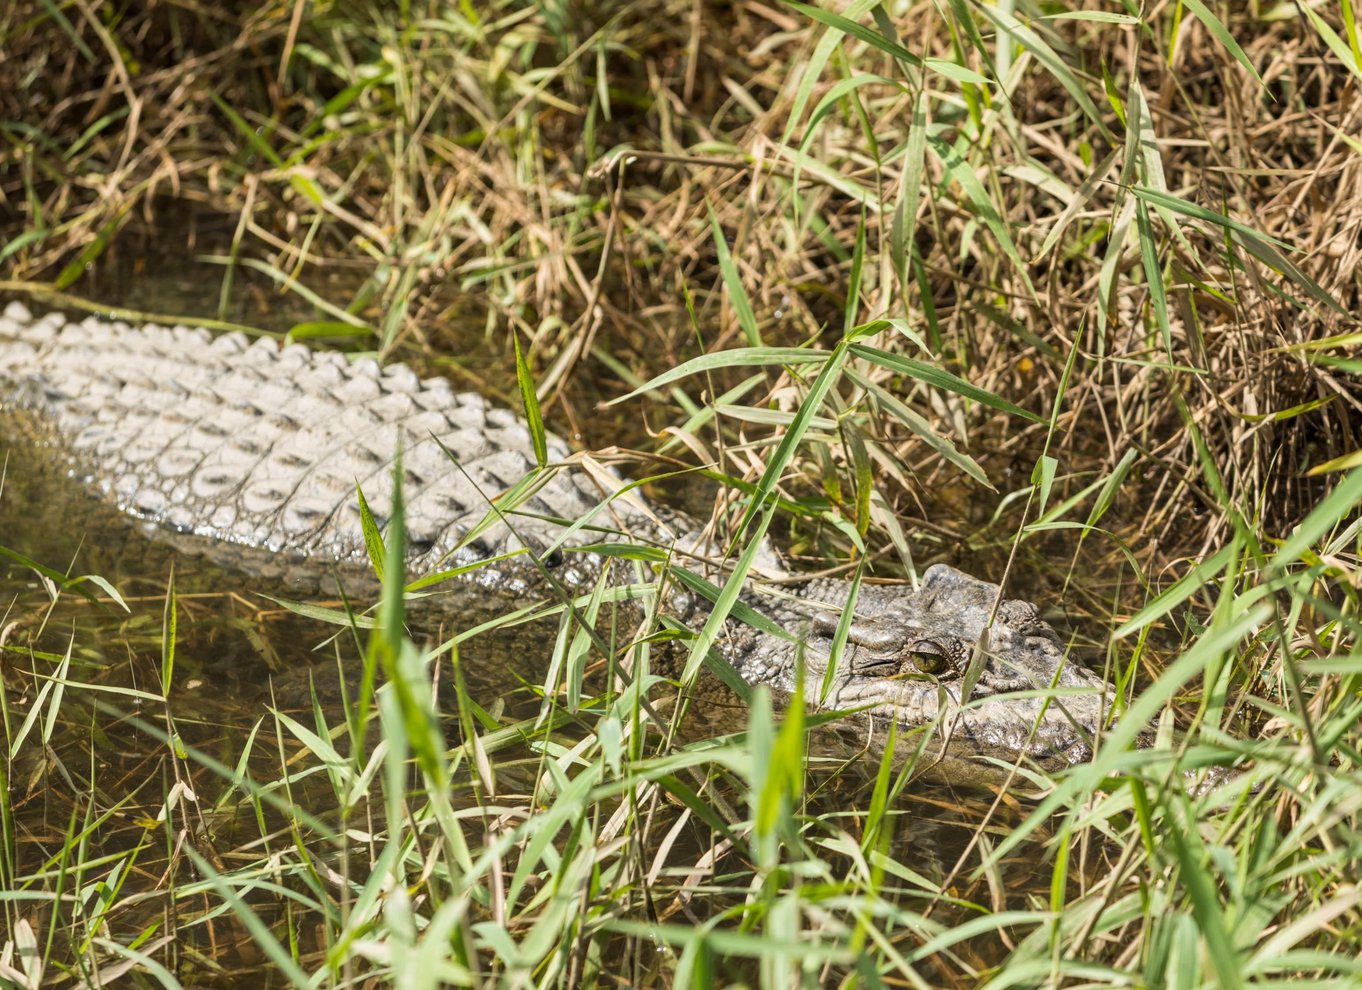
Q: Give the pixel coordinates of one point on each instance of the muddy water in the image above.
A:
(237, 644)
(238, 650)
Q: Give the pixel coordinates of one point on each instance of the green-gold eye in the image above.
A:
(928, 657)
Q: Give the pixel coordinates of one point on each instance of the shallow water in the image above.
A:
(237, 650)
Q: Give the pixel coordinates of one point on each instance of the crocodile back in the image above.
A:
(259, 445)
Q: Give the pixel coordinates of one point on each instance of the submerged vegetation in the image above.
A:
(1064, 292)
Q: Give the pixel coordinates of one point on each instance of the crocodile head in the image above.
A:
(1003, 687)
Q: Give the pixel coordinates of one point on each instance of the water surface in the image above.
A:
(238, 651)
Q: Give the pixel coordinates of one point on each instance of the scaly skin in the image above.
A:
(250, 453)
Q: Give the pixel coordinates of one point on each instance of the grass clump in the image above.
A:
(1065, 292)
(576, 837)
(1139, 192)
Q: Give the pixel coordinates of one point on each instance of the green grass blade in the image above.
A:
(90, 252)
(766, 487)
(737, 293)
(868, 35)
(1194, 871)
(1179, 205)
(169, 623)
(920, 426)
(1008, 26)
(529, 401)
(909, 192)
(823, 50)
(76, 584)
(1153, 273)
(738, 357)
(1333, 509)
(853, 294)
(1192, 582)
(963, 173)
(840, 634)
(373, 538)
(261, 935)
(1217, 28)
(938, 378)
(723, 606)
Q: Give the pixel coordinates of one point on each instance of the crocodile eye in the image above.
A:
(929, 656)
(554, 559)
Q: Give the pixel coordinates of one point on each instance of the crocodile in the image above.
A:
(253, 453)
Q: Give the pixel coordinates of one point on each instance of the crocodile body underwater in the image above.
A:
(249, 452)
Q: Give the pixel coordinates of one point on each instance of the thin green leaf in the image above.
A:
(1217, 28)
(373, 538)
(840, 635)
(963, 173)
(1153, 273)
(737, 295)
(169, 626)
(1113, 95)
(76, 584)
(738, 357)
(574, 667)
(331, 616)
(252, 135)
(1194, 869)
(390, 607)
(1282, 415)
(1107, 495)
(1043, 477)
(1008, 25)
(286, 281)
(909, 191)
(712, 592)
(868, 35)
(823, 50)
(700, 648)
(1076, 203)
(261, 935)
(775, 467)
(1179, 205)
(529, 400)
(1190, 583)
(1116, 744)
(955, 71)
(1341, 463)
(54, 10)
(22, 240)
(1100, 16)
(835, 94)
(921, 428)
(1270, 256)
(78, 265)
(1344, 499)
(939, 378)
(853, 299)
(317, 329)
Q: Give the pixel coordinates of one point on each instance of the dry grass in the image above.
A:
(492, 156)
(1145, 234)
